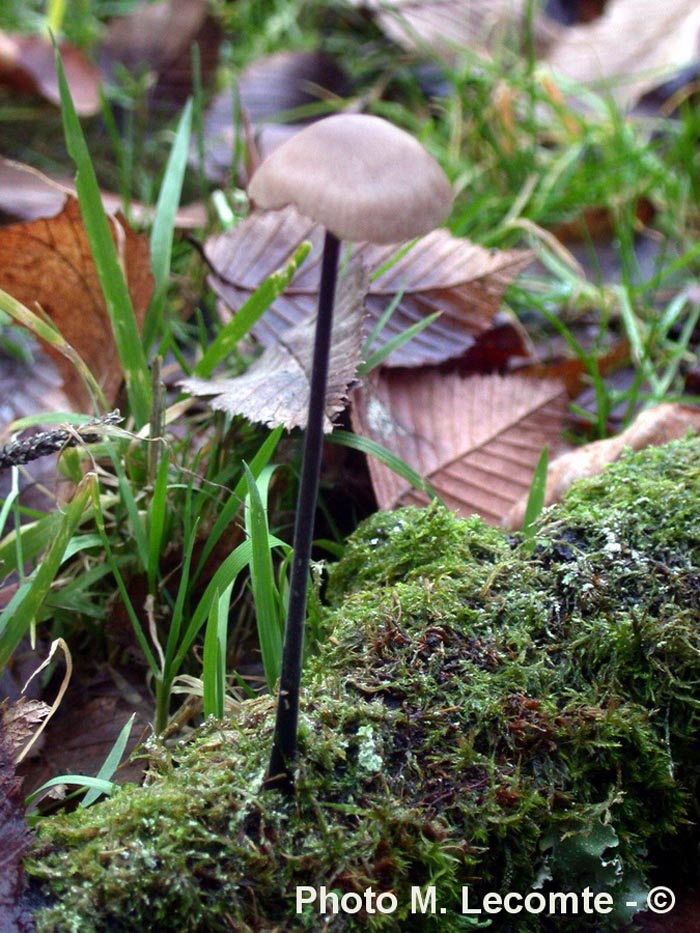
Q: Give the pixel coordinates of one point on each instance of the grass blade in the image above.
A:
(98, 784)
(233, 503)
(136, 523)
(270, 625)
(164, 222)
(380, 354)
(381, 322)
(106, 259)
(157, 514)
(46, 331)
(535, 500)
(367, 446)
(239, 325)
(224, 576)
(111, 762)
(16, 620)
(10, 498)
(214, 656)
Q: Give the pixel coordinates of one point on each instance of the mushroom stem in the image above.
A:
(284, 745)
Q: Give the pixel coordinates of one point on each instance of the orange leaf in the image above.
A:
(47, 263)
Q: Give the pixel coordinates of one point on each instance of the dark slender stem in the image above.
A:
(284, 745)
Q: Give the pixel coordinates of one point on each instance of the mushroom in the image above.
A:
(363, 179)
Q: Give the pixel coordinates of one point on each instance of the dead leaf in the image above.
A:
(158, 37)
(494, 349)
(450, 26)
(573, 370)
(266, 89)
(47, 264)
(25, 388)
(28, 65)
(598, 221)
(27, 193)
(476, 440)
(275, 388)
(21, 721)
(657, 425)
(631, 48)
(85, 728)
(15, 915)
(463, 281)
(625, 52)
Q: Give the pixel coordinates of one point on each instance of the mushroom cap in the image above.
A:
(359, 176)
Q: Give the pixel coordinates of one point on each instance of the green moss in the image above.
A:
(477, 716)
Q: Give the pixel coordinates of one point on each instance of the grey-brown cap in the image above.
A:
(359, 176)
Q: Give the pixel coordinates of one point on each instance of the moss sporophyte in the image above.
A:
(478, 716)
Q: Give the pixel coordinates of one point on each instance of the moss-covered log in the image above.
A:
(478, 719)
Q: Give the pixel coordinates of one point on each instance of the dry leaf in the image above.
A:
(626, 51)
(275, 388)
(106, 702)
(47, 263)
(631, 47)
(266, 89)
(476, 440)
(27, 193)
(657, 425)
(573, 371)
(158, 37)
(27, 64)
(25, 388)
(15, 915)
(450, 26)
(22, 720)
(439, 273)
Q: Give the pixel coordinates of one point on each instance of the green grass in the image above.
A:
(106, 259)
(160, 529)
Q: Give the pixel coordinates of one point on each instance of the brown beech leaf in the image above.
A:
(452, 25)
(158, 37)
(27, 193)
(631, 47)
(28, 65)
(657, 425)
(438, 273)
(47, 263)
(476, 440)
(275, 388)
(266, 90)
